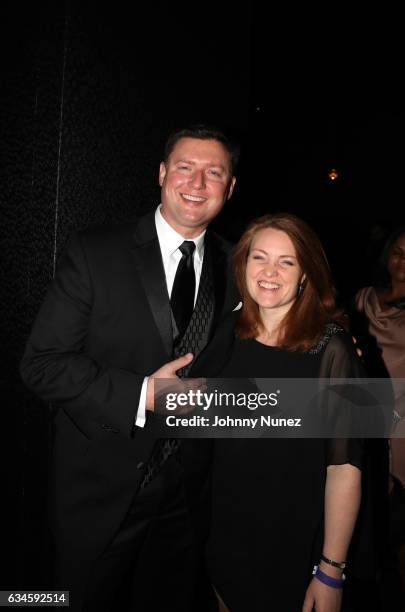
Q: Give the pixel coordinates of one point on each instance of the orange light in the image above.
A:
(333, 174)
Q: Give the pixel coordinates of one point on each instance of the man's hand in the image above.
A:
(168, 370)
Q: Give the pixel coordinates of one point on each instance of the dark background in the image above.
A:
(90, 91)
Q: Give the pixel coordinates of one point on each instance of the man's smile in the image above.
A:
(193, 198)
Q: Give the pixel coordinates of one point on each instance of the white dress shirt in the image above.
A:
(169, 242)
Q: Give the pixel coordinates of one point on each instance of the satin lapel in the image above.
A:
(148, 262)
(219, 270)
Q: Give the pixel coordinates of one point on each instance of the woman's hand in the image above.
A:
(322, 598)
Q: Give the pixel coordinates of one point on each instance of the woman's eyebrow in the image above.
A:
(266, 252)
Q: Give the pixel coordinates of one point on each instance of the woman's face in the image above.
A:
(273, 274)
(396, 260)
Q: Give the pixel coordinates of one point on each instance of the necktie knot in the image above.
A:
(187, 248)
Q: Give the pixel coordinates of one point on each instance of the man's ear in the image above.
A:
(162, 173)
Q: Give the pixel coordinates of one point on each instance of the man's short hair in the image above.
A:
(203, 132)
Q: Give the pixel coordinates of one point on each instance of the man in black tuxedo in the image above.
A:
(128, 510)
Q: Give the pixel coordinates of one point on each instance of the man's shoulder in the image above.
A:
(220, 242)
(98, 241)
(111, 236)
(110, 233)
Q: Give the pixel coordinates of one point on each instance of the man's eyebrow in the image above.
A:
(191, 162)
(183, 161)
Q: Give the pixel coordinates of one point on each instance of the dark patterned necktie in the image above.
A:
(194, 339)
(182, 298)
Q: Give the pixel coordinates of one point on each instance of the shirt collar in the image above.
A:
(170, 240)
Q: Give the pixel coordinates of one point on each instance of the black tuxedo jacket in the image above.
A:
(104, 325)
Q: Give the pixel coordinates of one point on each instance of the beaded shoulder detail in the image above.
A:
(331, 329)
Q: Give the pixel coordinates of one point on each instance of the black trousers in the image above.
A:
(155, 561)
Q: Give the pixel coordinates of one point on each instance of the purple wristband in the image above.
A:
(336, 583)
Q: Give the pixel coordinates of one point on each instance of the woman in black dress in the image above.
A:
(280, 506)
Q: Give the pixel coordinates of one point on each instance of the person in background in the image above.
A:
(383, 306)
(378, 321)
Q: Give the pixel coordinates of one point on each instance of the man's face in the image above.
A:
(196, 181)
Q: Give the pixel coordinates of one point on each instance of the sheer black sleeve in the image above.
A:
(340, 361)
(370, 455)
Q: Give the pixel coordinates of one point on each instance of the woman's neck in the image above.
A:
(389, 295)
(271, 319)
(396, 291)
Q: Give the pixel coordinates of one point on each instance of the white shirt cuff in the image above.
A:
(141, 414)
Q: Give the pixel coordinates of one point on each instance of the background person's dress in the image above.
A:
(268, 494)
(387, 326)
